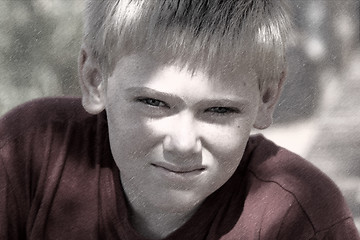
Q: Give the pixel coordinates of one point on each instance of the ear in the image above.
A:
(91, 83)
(269, 98)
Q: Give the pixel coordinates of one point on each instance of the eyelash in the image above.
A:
(222, 110)
(153, 102)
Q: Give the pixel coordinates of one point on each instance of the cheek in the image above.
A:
(226, 139)
(133, 136)
(225, 146)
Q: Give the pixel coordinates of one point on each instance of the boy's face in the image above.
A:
(176, 136)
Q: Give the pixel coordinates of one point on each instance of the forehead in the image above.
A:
(149, 71)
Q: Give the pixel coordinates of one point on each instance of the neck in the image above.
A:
(157, 225)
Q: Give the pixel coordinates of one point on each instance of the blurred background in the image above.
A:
(318, 116)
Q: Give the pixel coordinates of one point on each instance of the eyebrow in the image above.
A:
(150, 91)
(209, 101)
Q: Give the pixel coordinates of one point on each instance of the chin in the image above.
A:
(178, 201)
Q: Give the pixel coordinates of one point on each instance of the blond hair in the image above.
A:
(207, 34)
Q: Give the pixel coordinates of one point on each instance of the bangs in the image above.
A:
(211, 35)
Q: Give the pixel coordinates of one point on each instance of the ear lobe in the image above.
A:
(91, 83)
(268, 102)
(264, 117)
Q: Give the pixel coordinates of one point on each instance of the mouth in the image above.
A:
(179, 169)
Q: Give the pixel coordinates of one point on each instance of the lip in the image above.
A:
(179, 169)
(178, 176)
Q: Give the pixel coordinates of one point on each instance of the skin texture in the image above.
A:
(176, 136)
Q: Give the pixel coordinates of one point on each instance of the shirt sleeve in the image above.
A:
(12, 219)
(344, 230)
(31, 163)
(15, 173)
(296, 223)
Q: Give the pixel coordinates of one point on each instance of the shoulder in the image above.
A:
(39, 113)
(29, 131)
(43, 133)
(39, 130)
(315, 195)
(43, 109)
(43, 144)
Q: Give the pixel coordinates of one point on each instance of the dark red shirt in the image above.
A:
(58, 180)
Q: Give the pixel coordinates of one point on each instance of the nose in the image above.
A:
(182, 138)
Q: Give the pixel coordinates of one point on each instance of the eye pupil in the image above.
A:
(222, 110)
(152, 102)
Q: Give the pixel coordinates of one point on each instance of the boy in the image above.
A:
(171, 91)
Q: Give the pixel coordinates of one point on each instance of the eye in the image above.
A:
(222, 110)
(153, 102)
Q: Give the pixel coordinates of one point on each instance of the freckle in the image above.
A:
(266, 96)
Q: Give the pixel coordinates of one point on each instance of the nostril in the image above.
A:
(182, 145)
